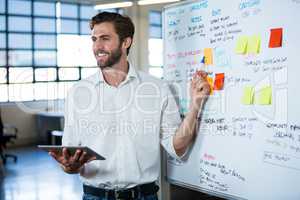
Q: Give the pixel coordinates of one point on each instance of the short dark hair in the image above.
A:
(123, 25)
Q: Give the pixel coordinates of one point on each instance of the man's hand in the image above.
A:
(199, 90)
(71, 164)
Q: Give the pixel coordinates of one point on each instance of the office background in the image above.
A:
(45, 48)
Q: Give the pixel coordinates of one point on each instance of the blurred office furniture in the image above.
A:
(7, 134)
(56, 137)
(50, 126)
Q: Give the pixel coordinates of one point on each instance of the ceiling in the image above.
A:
(91, 1)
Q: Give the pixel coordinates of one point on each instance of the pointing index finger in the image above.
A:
(202, 74)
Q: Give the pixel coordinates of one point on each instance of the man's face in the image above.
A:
(106, 45)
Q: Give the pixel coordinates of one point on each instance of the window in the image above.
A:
(155, 44)
(86, 72)
(68, 10)
(87, 12)
(19, 7)
(4, 93)
(21, 24)
(45, 74)
(19, 40)
(155, 21)
(2, 23)
(45, 58)
(2, 58)
(68, 73)
(75, 50)
(45, 48)
(44, 25)
(42, 41)
(20, 58)
(155, 47)
(44, 9)
(21, 92)
(45, 91)
(2, 40)
(20, 75)
(69, 26)
(3, 75)
(2, 6)
(84, 27)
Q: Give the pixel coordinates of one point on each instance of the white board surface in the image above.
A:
(242, 151)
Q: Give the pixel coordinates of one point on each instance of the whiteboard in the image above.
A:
(248, 144)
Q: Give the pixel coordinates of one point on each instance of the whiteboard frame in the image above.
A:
(203, 190)
(172, 181)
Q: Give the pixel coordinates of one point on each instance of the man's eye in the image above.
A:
(94, 39)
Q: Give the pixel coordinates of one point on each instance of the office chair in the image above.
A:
(7, 134)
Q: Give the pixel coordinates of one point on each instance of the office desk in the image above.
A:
(47, 122)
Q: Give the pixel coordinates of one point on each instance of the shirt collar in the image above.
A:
(132, 74)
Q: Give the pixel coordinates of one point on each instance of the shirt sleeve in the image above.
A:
(170, 122)
(71, 135)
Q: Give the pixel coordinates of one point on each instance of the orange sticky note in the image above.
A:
(275, 38)
(219, 81)
(210, 82)
(208, 55)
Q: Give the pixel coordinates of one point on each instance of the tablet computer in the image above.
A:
(71, 150)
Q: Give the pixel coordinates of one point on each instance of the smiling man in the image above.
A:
(124, 115)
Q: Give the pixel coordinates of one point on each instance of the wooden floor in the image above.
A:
(36, 176)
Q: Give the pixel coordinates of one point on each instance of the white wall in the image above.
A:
(140, 15)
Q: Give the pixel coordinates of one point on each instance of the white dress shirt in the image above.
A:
(125, 124)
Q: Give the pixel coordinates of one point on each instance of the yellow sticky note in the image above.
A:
(248, 95)
(208, 55)
(264, 96)
(254, 44)
(211, 83)
(241, 45)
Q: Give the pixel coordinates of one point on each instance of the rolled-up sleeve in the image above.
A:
(170, 122)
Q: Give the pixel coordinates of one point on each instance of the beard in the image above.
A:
(113, 58)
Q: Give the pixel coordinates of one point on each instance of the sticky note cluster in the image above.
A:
(261, 97)
(217, 83)
(252, 44)
(248, 44)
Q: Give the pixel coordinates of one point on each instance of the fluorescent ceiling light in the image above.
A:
(113, 5)
(147, 2)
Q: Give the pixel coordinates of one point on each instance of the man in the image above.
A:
(124, 115)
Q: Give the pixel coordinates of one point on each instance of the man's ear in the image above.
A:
(127, 42)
